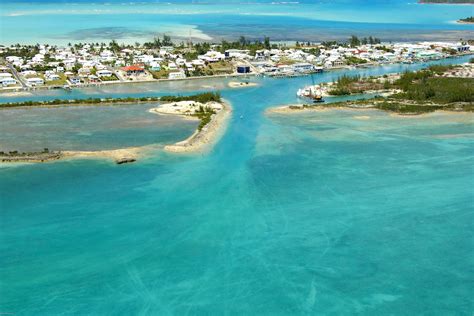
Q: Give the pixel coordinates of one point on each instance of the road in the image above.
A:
(17, 76)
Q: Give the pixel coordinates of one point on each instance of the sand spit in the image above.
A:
(240, 84)
(298, 108)
(117, 155)
(202, 140)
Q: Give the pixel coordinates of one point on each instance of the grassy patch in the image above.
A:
(201, 97)
(161, 74)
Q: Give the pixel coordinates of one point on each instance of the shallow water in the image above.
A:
(334, 212)
(91, 21)
(89, 128)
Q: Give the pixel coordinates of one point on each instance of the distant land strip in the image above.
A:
(448, 1)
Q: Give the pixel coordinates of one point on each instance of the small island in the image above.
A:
(208, 108)
(447, 1)
(448, 88)
(468, 20)
(241, 84)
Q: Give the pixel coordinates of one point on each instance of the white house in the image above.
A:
(104, 73)
(7, 81)
(52, 77)
(177, 75)
(35, 81)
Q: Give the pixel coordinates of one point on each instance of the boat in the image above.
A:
(313, 92)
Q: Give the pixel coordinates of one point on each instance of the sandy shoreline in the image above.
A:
(203, 140)
(286, 109)
(113, 154)
(239, 84)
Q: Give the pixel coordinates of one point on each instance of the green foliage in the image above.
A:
(109, 78)
(468, 19)
(407, 108)
(447, 1)
(440, 90)
(352, 60)
(201, 97)
(343, 85)
(205, 115)
(354, 41)
(244, 43)
(423, 85)
(89, 101)
(23, 51)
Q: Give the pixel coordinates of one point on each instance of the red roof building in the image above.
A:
(133, 69)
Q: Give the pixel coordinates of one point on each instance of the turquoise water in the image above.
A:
(89, 128)
(323, 213)
(61, 22)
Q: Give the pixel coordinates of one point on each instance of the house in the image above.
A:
(177, 75)
(74, 80)
(36, 81)
(93, 78)
(104, 73)
(243, 69)
(198, 63)
(52, 77)
(172, 66)
(7, 81)
(303, 67)
(133, 70)
(84, 72)
(155, 66)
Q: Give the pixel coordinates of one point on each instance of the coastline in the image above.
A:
(115, 82)
(71, 104)
(298, 108)
(12, 90)
(202, 140)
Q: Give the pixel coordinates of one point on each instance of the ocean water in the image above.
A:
(61, 22)
(323, 213)
(86, 128)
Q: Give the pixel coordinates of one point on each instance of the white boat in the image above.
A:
(309, 91)
(313, 92)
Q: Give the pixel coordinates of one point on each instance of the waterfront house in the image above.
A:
(52, 77)
(243, 69)
(104, 73)
(304, 68)
(177, 75)
(133, 70)
(93, 78)
(35, 81)
(74, 80)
